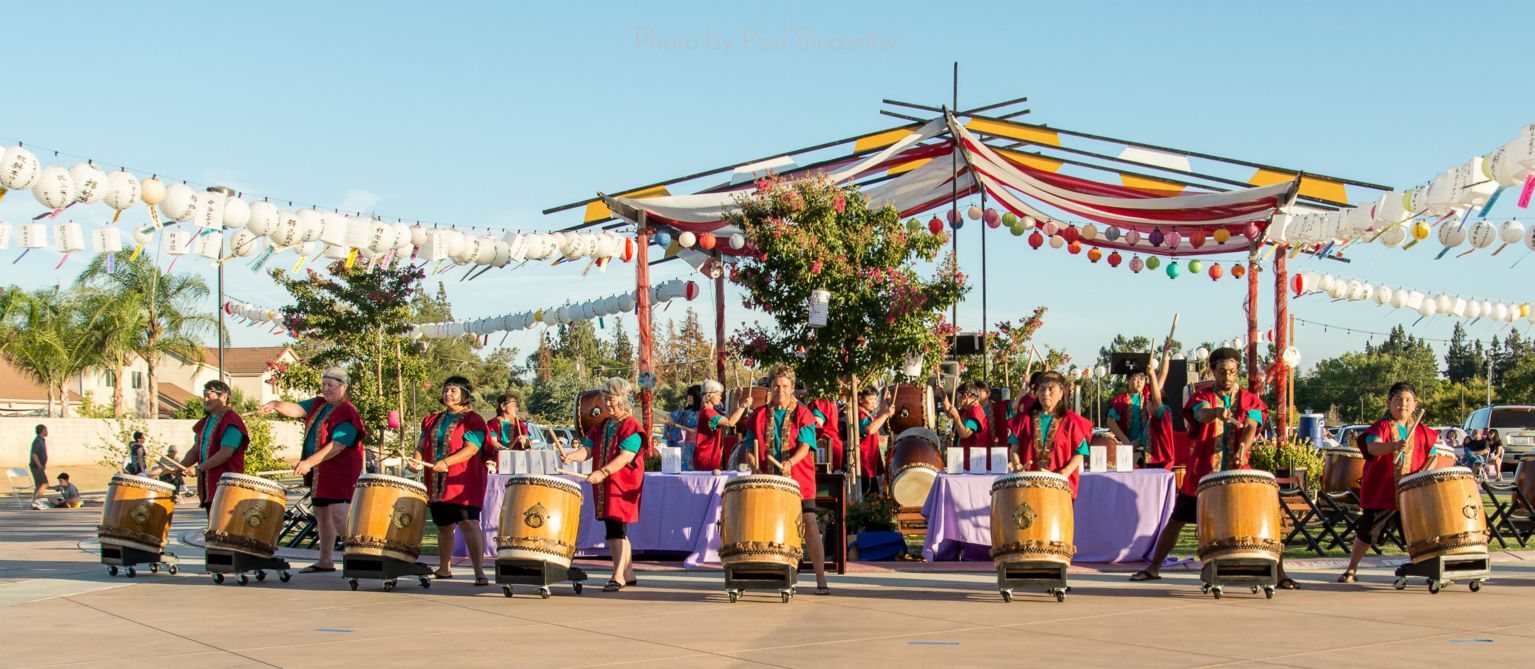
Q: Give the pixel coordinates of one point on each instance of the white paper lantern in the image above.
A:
(122, 190)
(1399, 299)
(152, 191)
(1458, 307)
(336, 252)
(90, 183)
(209, 244)
(1391, 209)
(311, 224)
(178, 202)
(311, 249)
(1452, 235)
(465, 249)
(454, 243)
(380, 236)
(1486, 308)
(820, 308)
(19, 168)
(32, 236)
(1394, 236)
(1473, 309)
(626, 302)
(237, 213)
(1500, 312)
(208, 212)
(1325, 283)
(54, 188)
(1427, 308)
(738, 241)
(1291, 356)
(244, 243)
(1354, 290)
(1337, 289)
(402, 236)
(1472, 186)
(1483, 234)
(68, 237)
(1358, 220)
(107, 239)
(177, 241)
(1383, 294)
(285, 233)
(144, 235)
(686, 239)
(1511, 232)
(1367, 292)
(1529, 238)
(418, 235)
(263, 217)
(503, 253)
(358, 232)
(1442, 303)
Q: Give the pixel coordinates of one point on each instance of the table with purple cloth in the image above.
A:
(678, 512)
(1118, 515)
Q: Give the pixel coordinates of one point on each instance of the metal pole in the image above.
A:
(954, 188)
(226, 192)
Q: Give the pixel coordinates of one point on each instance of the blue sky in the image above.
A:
(483, 114)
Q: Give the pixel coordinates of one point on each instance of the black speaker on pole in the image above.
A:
(1172, 390)
(967, 343)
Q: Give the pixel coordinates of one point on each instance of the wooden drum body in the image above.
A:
(1342, 469)
(540, 516)
(387, 518)
(591, 410)
(1032, 518)
(1442, 514)
(758, 394)
(760, 521)
(1524, 477)
(913, 408)
(246, 515)
(915, 461)
(1239, 516)
(137, 513)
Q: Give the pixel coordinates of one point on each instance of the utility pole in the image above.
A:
(219, 306)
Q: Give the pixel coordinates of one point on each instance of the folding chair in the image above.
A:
(301, 524)
(1340, 511)
(1298, 507)
(1501, 519)
(26, 476)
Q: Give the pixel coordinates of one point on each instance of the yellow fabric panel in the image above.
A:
(880, 140)
(598, 210)
(1321, 189)
(1015, 131)
(908, 166)
(1155, 185)
(1036, 162)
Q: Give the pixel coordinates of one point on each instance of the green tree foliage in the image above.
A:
(1355, 383)
(52, 336)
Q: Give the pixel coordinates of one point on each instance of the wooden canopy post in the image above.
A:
(1281, 342)
(642, 314)
(1254, 384)
(720, 354)
(852, 460)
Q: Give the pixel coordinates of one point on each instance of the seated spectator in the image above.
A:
(1494, 464)
(69, 495)
(173, 476)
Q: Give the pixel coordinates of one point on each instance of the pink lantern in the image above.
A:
(1136, 264)
(1251, 232)
(991, 218)
(1174, 239)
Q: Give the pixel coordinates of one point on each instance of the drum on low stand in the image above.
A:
(1342, 469)
(915, 461)
(1032, 532)
(913, 408)
(1445, 528)
(762, 534)
(384, 527)
(591, 410)
(1524, 480)
(135, 524)
(1240, 534)
(244, 521)
(536, 537)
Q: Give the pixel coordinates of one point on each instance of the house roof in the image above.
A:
(15, 385)
(173, 397)
(243, 361)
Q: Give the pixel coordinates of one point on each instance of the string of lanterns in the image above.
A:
(1307, 283)
(560, 315)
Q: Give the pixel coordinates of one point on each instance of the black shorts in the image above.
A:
(1186, 509)
(39, 477)
(448, 513)
(322, 502)
(614, 529)
(1372, 523)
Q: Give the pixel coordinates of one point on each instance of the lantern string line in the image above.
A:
(1330, 327)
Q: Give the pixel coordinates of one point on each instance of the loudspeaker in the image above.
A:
(967, 343)
(1125, 364)
(1172, 391)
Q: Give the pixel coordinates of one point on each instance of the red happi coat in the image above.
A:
(1207, 445)
(335, 478)
(1377, 489)
(761, 426)
(617, 497)
(519, 428)
(208, 481)
(708, 448)
(1157, 433)
(829, 431)
(1067, 433)
(870, 464)
(979, 438)
(463, 483)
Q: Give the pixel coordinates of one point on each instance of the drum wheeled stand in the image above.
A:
(114, 556)
(387, 569)
(1257, 574)
(220, 562)
(1031, 575)
(510, 572)
(760, 576)
(1444, 570)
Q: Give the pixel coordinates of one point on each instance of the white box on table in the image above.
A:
(671, 459)
(1124, 458)
(979, 460)
(1099, 460)
(519, 463)
(954, 463)
(998, 461)
(504, 462)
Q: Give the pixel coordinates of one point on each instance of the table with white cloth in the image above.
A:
(678, 513)
(1118, 515)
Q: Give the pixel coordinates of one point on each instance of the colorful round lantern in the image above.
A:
(974, 213)
(1089, 232)
(1197, 238)
(1009, 219)
(1174, 239)
(1094, 255)
(1221, 236)
(1111, 234)
(1136, 265)
(1252, 232)
(1420, 230)
(954, 218)
(1036, 240)
(1071, 234)
(1153, 262)
(706, 241)
(662, 238)
(1056, 242)
(991, 218)
(1196, 266)
(934, 225)
(1216, 272)
(1115, 259)
(1156, 237)
(1172, 270)
(1237, 270)
(1074, 248)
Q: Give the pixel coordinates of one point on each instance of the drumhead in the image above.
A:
(911, 485)
(383, 478)
(766, 480)
(1237, 473)
(542, 479)
(1527, 457)
(1342, 452)
(1420, 478)
(143, 482)
(922, 432)
(253, 480)
(1040, 479)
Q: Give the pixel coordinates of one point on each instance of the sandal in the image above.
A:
(822, 590)
(1287, 583)
(612, 586)
(315, 569)
(1347, 577)
(481, 580)
(439, 575)
(1145, 575)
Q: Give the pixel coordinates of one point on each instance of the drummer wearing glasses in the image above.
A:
(617, 478)
(453, 450)
(1051, 437)
(780, 438)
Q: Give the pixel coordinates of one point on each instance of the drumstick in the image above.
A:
(567, 472)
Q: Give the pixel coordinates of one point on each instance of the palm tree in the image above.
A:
(119, 327)
(55, 337)
(171, 323)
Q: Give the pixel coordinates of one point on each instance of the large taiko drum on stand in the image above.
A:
(137, 513)
(913, 408)
(1524, 479)
(1032, 518)
(246, 515)
(387, 518)
(1239, 516)
(591, 410)
(915, 461)
(1441, 511)
(760, 521)
(540, 516)
(1342, 469)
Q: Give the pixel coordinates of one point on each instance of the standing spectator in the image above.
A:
(682, 425)
(137, 462)
(1494, 455)
(39, 461)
